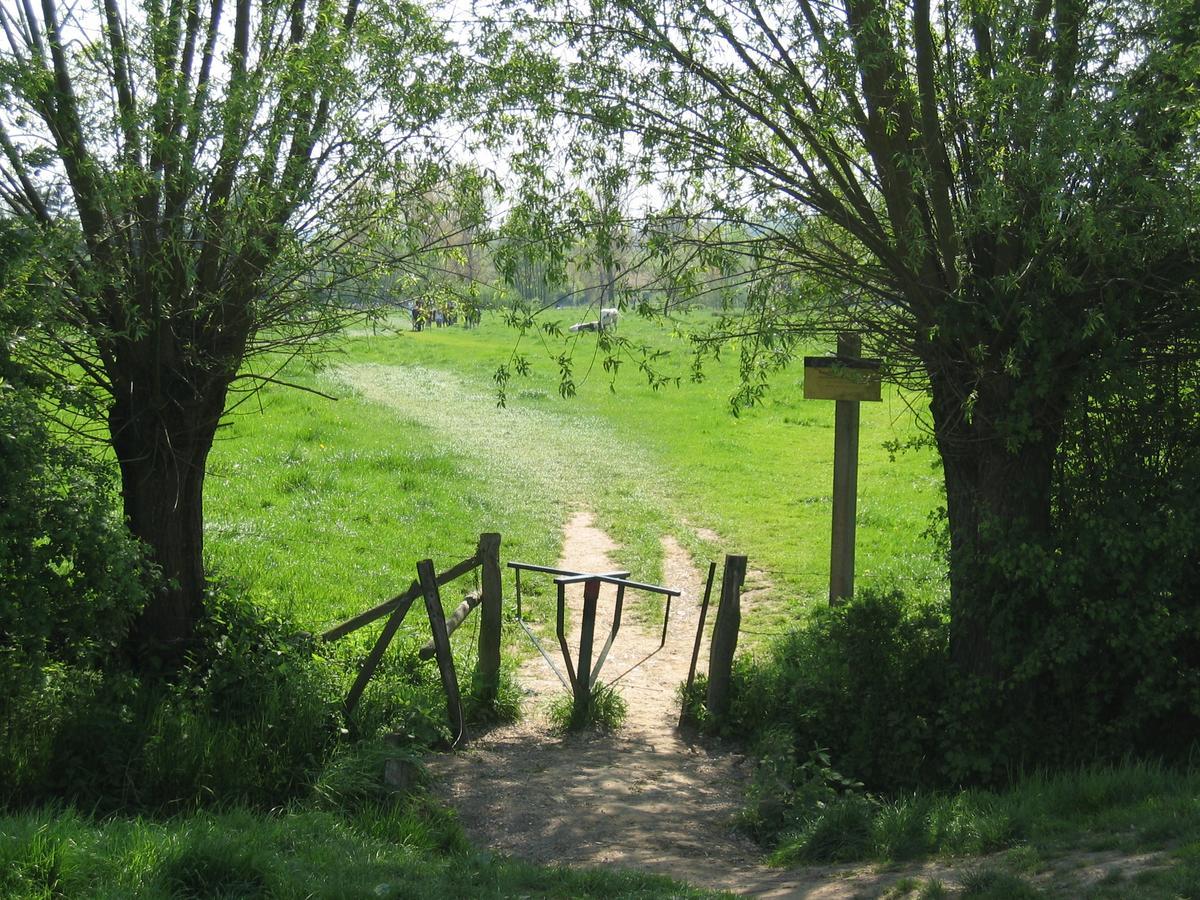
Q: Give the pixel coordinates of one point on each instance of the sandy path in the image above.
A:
(644, 797)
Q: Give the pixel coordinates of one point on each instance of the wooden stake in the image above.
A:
(725, 636)
(487, 669)
(441, 641)
(587, 632)
(712, 571)
(429, 649)
(845, 486)
(376, 654)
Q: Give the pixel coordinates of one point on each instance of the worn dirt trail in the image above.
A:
(648, 798)
(644, 797)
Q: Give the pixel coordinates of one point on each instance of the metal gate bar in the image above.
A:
(518, 568)
(584, 679)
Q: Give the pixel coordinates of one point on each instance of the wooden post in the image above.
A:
(583, 669)
(441, 641)
(487, 669)
(712, 571)
(845, 485)
(725, 636)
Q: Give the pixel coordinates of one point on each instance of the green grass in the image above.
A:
(397, 851)
(320, 509)
(1178, 877)
(1128, 808)
(605, 711)
(665, 461)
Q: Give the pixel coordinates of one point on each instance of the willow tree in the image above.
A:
(191, 167)
(1000, 196)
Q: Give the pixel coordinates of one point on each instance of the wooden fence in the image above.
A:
(427, 586)
(488, 599)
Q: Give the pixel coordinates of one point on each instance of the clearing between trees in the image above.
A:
(646, 796)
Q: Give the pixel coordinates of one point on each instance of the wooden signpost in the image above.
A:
(849, 380)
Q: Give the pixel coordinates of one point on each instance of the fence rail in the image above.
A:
(426, 587)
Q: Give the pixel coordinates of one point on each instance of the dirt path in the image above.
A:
(643, 798)
(647, 798)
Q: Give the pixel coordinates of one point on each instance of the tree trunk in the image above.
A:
(162, 449)
(998, 509)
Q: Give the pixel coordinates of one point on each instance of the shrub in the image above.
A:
(504, 707)
(71, 577)
(786, 793)
(250, 717)
(71, 582)
(1101, 636)
(867, 680)
(215, 863)
(841, 831)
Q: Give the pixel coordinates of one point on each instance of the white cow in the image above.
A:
(608, 319)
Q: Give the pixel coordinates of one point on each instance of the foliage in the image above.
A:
(867, 680)
(404, 850)
(1103, 648)
(786, 791)
(504, 707)
(250, 719)
(991, 884)
(1001, 198)
(1127, 504)
(253, 717)
(71, 577)
(872, 681)
(1125, 808)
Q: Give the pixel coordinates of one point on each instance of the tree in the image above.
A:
(1001, 197)
(189, 169)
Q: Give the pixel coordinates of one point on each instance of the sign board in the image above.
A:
(841, 378)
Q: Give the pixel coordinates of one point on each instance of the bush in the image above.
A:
(251, 717)
(1114, 659)
(785, 793)
(867, 680)
(1102, 637)
(71, 582)
(71, 577)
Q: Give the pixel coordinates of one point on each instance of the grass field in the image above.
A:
(392, 853)
(322, 508)
(416, 459)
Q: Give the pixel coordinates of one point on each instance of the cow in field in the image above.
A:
(608, 320)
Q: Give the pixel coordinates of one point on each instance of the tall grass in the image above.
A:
(412, 850)
(1128, 808)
